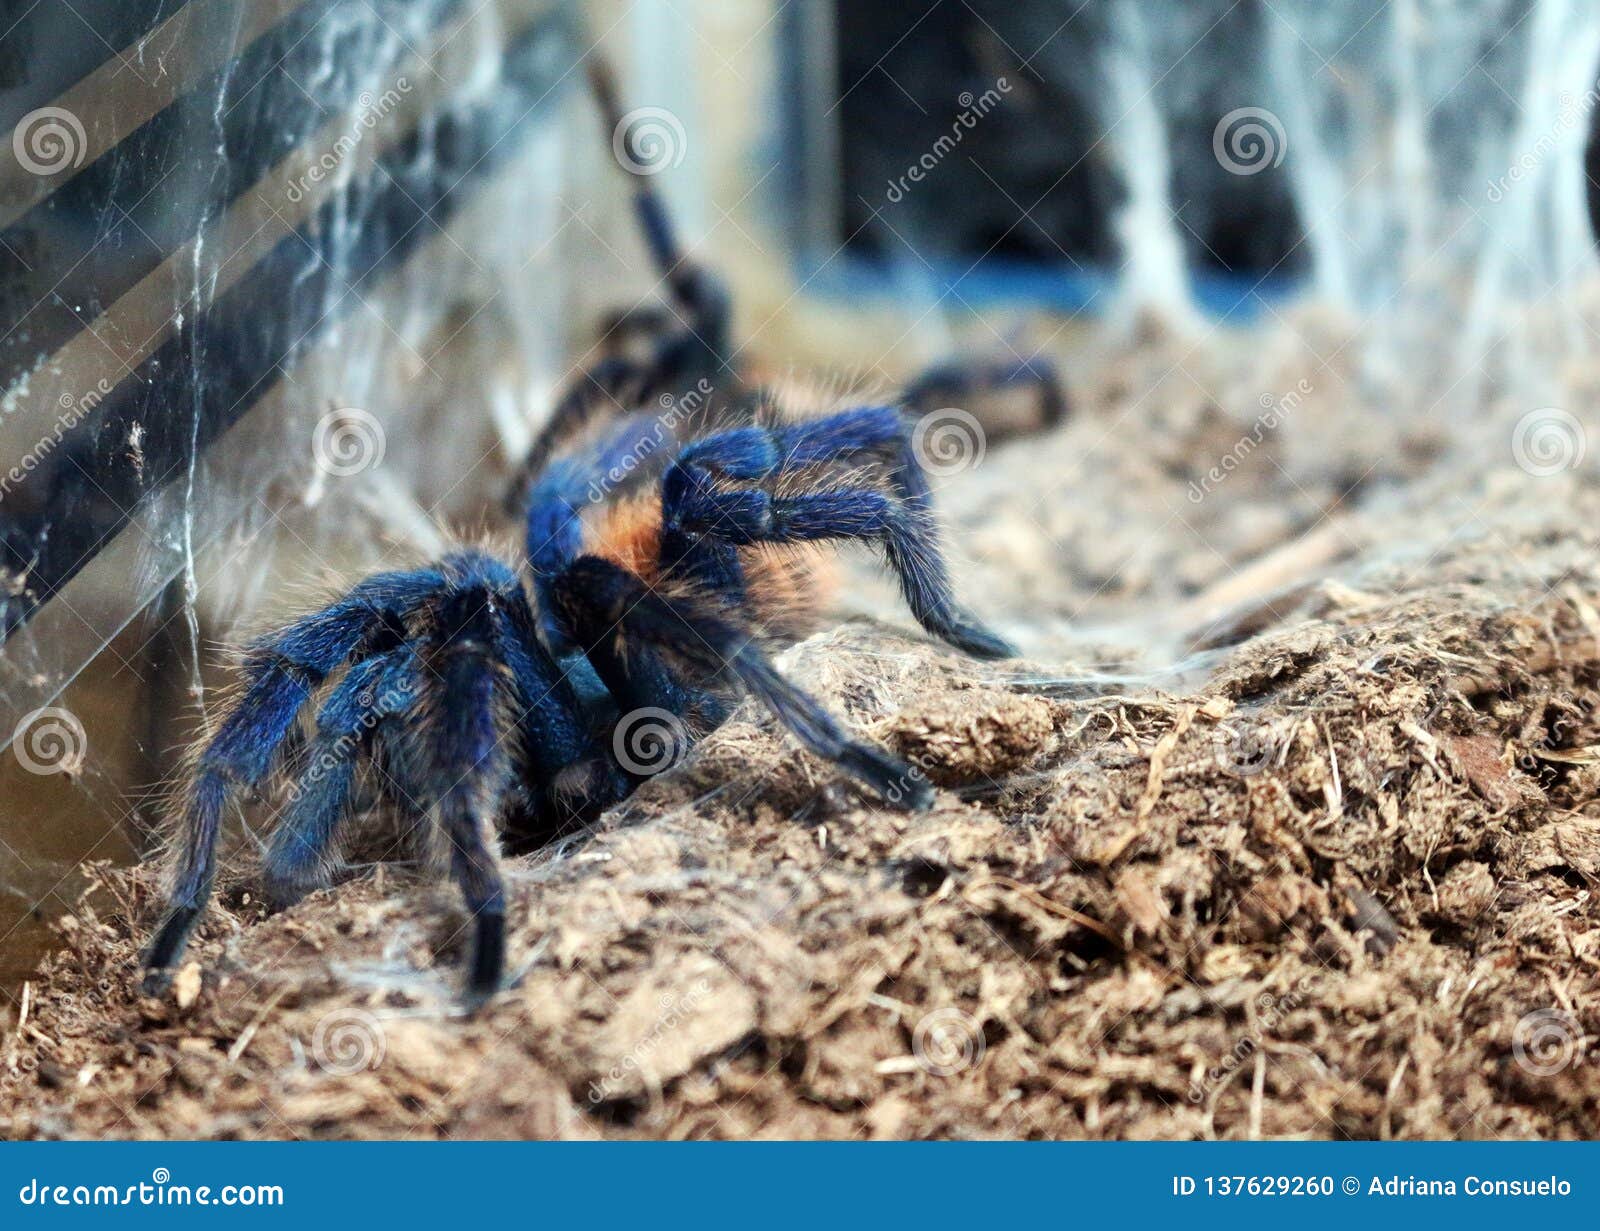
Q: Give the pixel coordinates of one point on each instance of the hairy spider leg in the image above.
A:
(953, 381)
(570, 774)
(553, 516)
(477, 630)
(554, 531)
(603, 600)
(688, 343)
(298, 856)
(457, 750)
(704, 520)
(575, 777)
(554, 538)
(685, 356)
(281, 673)
(702, 346)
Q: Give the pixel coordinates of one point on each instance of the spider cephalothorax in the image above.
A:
(672, 521)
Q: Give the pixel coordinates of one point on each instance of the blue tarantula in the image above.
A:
(671, 521)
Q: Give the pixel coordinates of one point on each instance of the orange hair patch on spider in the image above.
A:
(628, 533)
(788, 586)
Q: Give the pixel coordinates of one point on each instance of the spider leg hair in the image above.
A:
(298, 856)
(704, 342)
(458, 747)
(698, 504)
(281, 673)
(955, 382)
(608, 388)
(595, 594)
(687, 342)
(576, 776)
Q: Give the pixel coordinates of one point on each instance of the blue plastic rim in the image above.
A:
(1009, 283)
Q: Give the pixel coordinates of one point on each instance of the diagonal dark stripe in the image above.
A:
(81, 496)
(46, 48)
(75, 253)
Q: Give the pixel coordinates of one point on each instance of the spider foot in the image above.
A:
(160, 958)
(487, 961)
(973, 638)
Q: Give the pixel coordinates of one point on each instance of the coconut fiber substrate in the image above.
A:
(1287, 823)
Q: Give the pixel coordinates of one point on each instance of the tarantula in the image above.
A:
(670, 517)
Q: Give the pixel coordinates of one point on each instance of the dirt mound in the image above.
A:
(1297, 836)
